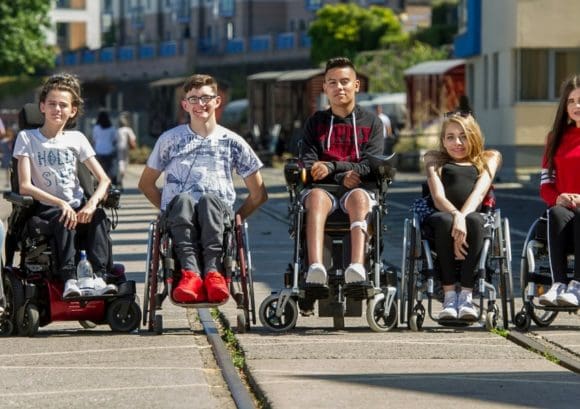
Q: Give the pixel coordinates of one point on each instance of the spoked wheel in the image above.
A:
(505, 271)
(417, 318)
(151, 277)
(409, 288)
(28, 320)
(378, 320)
(268, 317)
(6, 327)
(245, 267)
(541, 318)
(123, 315)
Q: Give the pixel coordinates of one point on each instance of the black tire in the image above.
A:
(28, 320)
(6, 327)
(376, 314)
(123, 315)
(158, 324)
(522, 321)
(14, 295)
(268, 316)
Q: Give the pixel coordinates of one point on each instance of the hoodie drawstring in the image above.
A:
(354, 134)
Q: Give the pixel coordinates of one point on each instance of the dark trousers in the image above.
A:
(109, 164)
(198, 231)
(563, 238)
(92, 237)
(441, 224)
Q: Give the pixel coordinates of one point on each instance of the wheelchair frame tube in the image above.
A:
(297, 244)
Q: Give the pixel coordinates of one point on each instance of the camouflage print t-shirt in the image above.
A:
(200, 165)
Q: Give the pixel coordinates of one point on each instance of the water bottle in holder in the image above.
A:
(85, 277)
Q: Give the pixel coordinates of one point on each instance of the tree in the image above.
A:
(345, 29)
(443, 25)
(23, 47)
(385, 68)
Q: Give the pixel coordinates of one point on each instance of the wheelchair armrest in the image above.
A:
(18, 200)
(113, 198)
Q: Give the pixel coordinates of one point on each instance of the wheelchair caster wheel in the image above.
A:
(158, 326)
(123, 315)
(87, 324)
(522, 321)
(28, 320)
(241, 322)
(378, 320)
(416, 319)
(287, 319)
(6, 328)
(490, 320)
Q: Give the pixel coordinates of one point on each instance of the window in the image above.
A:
(567, 63)
(534, 75)
(227, 8)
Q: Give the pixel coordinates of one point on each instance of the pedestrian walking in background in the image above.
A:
(126, 140)
(105, 144)
(388, 136)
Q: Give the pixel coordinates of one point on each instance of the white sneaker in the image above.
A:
(86, 286)
(449, 306)
(355, 273)
(316, 274)
(550, 297)
(465, 309)
(571, 297)
(71, 289)
(102, 288)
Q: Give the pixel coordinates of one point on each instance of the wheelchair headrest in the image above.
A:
(30, 116)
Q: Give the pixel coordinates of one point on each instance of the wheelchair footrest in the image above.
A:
(457, 323)
(316, 291)
(359, 291)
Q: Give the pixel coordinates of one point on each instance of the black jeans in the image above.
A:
(441, 224)
(563, 239)
(92, 237)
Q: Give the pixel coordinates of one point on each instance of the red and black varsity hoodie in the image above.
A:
(331, 138)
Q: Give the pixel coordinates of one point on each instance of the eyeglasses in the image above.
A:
(461, 113)
(203, 100)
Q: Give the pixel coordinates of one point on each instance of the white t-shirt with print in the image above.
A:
(53, 162)
(200, 165)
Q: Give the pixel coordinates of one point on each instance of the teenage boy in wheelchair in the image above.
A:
(336, 145)
(48, 172)
(198, 160)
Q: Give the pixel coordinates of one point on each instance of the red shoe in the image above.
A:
(216, 287)
(189, 289)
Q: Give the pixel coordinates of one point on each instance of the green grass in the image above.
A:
(229, 338)
(501, 332)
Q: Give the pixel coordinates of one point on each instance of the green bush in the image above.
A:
(139, 155)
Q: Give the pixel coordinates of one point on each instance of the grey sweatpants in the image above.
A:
(198, 231)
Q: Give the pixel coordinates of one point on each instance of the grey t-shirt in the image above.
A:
(53, 162)
(199, 165)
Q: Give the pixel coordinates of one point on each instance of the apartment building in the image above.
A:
(517, 54)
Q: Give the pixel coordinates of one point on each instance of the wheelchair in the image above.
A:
(161, 264)
(420, 274)
(31, 286)
(279, 311)
(536, 278)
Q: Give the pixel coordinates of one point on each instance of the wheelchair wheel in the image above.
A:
(417, 318)
(245, 270)
(542, 318)
(505, 275)
(376, 317)
(123, 315)
(28, 320)
(522, 321)
(6, 327)
(268, 317)
(14, 296)
(409, 277)
(491, 318)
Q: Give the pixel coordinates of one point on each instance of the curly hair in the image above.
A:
(65, 82)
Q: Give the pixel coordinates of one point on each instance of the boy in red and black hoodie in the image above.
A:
(335, 147)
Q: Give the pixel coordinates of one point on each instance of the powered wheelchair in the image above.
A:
(279, 311)
(536, 278)
(420, 273)
(31, 284)
(162, 263)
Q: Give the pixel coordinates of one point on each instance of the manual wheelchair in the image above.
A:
(161, 264)
(279, 311)
(536, 278)
(420, 273)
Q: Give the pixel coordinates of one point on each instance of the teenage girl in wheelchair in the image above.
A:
(190, 245)
(551, 254)
(55, 215)
(466, 237)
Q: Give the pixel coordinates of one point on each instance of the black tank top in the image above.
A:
(458, 181)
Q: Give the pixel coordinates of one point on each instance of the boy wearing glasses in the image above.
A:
(198, 160)
(335, 147)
